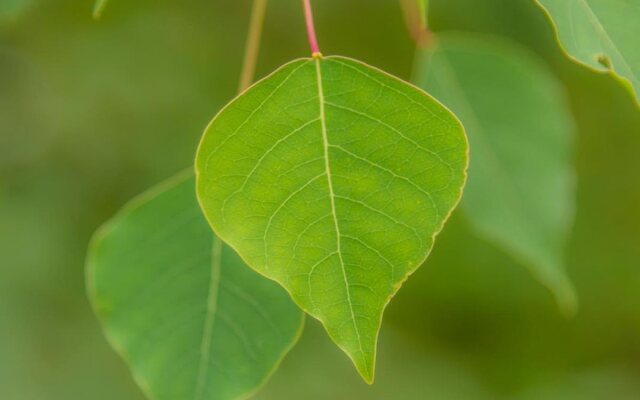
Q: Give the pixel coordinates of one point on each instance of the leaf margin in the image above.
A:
(561, 287)
(606, 71)
(90, 268)
(370, 379)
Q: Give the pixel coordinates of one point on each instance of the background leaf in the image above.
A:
(520, 193)
(109, 109)
(602, 34)
(189, 317)
(333, 178)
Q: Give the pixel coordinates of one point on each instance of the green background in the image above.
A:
(93, 113)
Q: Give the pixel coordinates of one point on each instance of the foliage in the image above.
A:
(520, 190)
(180, 306)
(333, 179)
(600, 34)
(92, 113)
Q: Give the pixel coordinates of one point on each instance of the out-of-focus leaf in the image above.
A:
(191, 320)
(520, 193)
(333, 178)
(602, 34)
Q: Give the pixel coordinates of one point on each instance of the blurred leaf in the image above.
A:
(602, 34)
(333, 178)
(191, 320)
(521, 185)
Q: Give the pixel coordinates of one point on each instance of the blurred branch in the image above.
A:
(252, 47)
(423, 7)
(415, 16)
(98, 8)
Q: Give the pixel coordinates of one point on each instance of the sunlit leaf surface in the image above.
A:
(333, 178)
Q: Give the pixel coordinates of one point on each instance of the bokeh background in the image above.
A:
(92, 113)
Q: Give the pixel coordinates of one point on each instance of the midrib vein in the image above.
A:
(325, 141)
(212, 303)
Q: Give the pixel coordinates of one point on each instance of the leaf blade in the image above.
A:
(520, 193)
(600, 35)
(175, 268)
(300, 142)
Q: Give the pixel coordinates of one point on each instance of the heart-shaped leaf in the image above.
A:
(191, 320)
(333, 178)
(520, 192)
(602, 34)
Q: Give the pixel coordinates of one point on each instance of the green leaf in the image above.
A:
(520, 192)
(601, 34)
(333, 178)
(98, 8)
(191, 320)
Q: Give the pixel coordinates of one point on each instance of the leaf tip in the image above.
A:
(366, 366)
(565, 295)
(567, 300)
(369, 380)
(367, 373)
